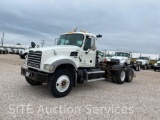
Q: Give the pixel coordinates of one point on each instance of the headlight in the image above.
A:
(155, 64)
(48, 67)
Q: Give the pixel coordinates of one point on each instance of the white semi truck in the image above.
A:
(144, 62)
(73, 60)
(124, 58)
(23, 53)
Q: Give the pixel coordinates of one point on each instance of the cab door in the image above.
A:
(88, 54)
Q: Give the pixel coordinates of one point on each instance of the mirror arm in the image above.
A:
(87, 51)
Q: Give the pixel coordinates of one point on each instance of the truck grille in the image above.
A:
(34, 59)
(139, 62)
(158, 64)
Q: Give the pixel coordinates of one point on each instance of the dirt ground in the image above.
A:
(103, 100)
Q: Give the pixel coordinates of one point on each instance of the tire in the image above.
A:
(120, 76)
(129, 75)
(60, 84)
(113, 79)
(21, 57)
(144, 67)
(31, 82)
(155, 69)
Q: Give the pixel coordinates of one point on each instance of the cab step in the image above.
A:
(96, 75)
(92, 80)
(94, 72)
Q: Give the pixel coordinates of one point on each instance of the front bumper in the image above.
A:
(157, 67)
(34, 75)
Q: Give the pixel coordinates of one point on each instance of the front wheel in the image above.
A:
(60, 83)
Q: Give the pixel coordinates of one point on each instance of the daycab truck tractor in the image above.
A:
(124, 58)
(144, 62)
(72, 61)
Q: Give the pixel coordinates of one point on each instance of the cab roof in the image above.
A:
(83, 33)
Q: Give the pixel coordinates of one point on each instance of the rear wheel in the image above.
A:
(129, 75)
(60, 83)
(119, 76)
(155, 69)
(32, 82)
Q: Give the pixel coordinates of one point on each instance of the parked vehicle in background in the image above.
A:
(100, 55)
(157, 65)
(106, 57)
(3, 50)
(9, 50)
(144, 62)
(124, 58)
(15, 51)
(23, 53)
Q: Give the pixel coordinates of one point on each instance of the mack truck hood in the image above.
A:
(141, 61)
(122, 59)
(58, 48)
(119, 57)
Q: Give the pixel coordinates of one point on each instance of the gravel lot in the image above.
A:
(138, 100)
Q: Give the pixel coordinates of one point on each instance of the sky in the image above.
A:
(126, 25)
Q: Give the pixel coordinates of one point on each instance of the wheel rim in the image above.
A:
(62, 83)
(123, 75)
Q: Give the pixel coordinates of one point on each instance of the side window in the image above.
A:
(87, 44)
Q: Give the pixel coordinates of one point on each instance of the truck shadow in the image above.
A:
(42, 91)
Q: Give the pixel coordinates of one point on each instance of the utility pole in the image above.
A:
(2, 39)
(43, 42)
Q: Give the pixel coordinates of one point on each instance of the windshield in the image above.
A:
(143, 58)
(108, 55)
(71, 39)
(121, 54)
